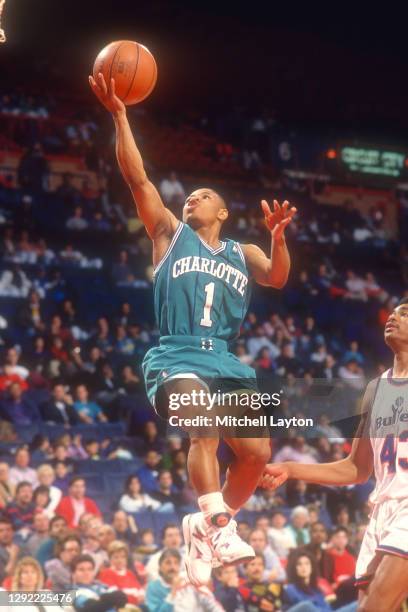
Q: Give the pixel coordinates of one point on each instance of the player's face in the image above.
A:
(396, 328)
(202, 208)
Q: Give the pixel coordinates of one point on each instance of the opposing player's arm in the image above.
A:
(272, 271)
(355, 468)
(158, 220)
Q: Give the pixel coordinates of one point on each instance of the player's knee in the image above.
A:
(257, 454)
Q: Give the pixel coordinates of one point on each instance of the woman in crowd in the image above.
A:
(46, 477)
(302, 583)
(119, 575)
(134, 500)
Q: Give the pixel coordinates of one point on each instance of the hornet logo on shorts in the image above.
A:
(207, 344)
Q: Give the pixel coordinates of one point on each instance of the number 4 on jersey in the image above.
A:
(389, 451)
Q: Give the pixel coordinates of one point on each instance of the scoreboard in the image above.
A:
(384, 162)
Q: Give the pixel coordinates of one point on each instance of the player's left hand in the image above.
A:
(278, 219)
(274, 475)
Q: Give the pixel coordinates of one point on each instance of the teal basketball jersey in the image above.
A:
(200, 291)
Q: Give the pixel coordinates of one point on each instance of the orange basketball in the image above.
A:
(131, 65)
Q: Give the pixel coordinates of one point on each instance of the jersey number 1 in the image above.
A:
(209, 298)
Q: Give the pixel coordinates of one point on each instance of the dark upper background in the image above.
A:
(332, 67)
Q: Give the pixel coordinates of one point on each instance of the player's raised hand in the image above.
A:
(278, 219)
(274, 475)
(106, 94)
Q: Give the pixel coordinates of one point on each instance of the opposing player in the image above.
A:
(382, 444)
(201, 294)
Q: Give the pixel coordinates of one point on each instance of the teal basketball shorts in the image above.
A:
(205, 359)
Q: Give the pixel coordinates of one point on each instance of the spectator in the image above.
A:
(118, 573)
(150, 438)
(59, 409)
(354, 354)
(92, 595)
(77, 222)
(18, 409)
(124, 527)
(280, 537)
(172, 190)
(9, 551)
(166, 496)
(352, 375)
(355, 287)
(297, 451)
(257, 592)
(76, 503)
(39, 535)
(27, 577)
(133, 500)
(88, 412)
(298, 527)
(7, 378)
(33, 170)
(14, 283)
(57, 530)
(302, 586)
(121, 271)
(21, 510)
(226, 589)
(273, 569)
(149, 472)
(21, 472)
(7, 488)
(260, 341)
(344, 561)
(12, 360)
(323, 560)
(171, 539)
(58, 569)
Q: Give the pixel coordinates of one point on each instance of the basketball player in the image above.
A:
(201, 295)
(382, 445)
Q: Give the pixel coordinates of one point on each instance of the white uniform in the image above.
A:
(387, 426)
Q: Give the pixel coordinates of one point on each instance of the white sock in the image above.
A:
(211, 504)
(230, 510)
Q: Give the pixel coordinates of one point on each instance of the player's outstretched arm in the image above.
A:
(158, 220)
(272, 271)
(355, 468)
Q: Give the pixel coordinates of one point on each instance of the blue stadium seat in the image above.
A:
(144, 520)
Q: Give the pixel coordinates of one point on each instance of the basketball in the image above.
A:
(131, 65)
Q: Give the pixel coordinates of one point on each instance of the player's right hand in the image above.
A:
(106, 94)
(274, 475)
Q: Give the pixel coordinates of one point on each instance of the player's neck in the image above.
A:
(210, 235)
(400, 368)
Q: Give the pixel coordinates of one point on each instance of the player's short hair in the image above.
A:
(403, 301)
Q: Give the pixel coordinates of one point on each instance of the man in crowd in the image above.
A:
(21, 470)
(91, 595)
(76, 503)
(58, 569)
